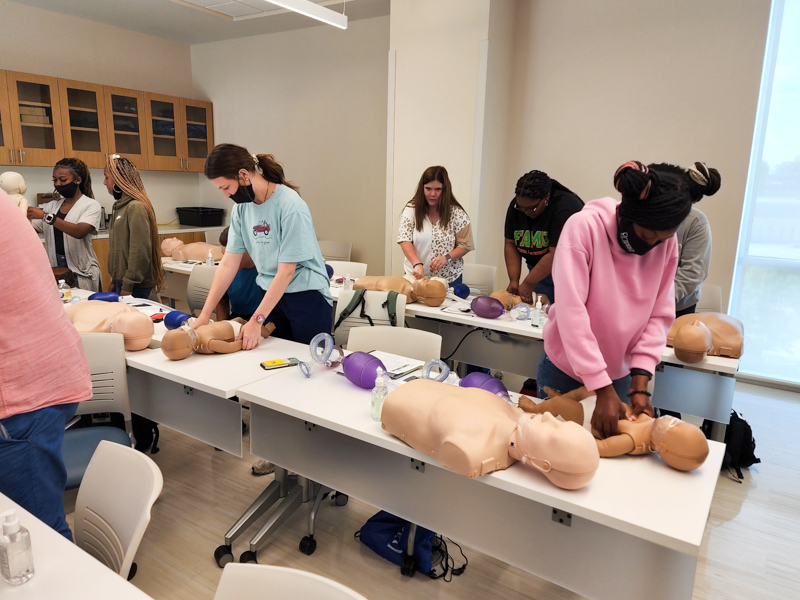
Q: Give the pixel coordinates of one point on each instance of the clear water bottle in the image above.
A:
(347, 284)
(64, 291)
(16, 558)
(379, 393)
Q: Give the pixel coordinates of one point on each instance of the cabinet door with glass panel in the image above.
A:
(127, 123)
(165, 135)
(35, 119)
(6, 146)
(85, 122)
(199, 133)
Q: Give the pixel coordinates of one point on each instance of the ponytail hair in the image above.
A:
(226, 160)
(80, 171)
(126, 177)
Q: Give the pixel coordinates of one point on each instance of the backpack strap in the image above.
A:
(358, 298)
(391, 307)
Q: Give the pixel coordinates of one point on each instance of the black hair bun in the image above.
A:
(633, 179)
(707, 179)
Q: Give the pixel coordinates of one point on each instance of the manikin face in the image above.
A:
(433, 191)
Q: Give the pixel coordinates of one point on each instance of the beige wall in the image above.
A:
(600, 82)
(316, 99)
(38, 41)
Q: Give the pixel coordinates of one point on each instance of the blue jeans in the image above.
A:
(61, 261)
(551, 376)
(33, 473)
(138, 292)
(299, 316)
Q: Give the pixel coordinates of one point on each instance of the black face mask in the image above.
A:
(244, 194)
(67, 190)
(116, 192)
(630, 242)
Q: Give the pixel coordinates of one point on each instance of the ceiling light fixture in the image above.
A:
(313, 10)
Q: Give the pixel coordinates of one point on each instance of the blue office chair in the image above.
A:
(106, 355)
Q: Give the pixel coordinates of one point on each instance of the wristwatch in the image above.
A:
(260, 319)
(49, 218)
(448, 257)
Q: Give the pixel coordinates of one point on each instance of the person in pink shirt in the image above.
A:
(614, 276)
(43, 373)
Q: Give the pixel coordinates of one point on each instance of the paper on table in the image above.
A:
(397, 366)
(459, 309)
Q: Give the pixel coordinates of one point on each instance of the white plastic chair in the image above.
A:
(198, 286)
(480, 277)
(259, 582)
(343, 268)
(112, 509)
(335, 250)
(710, 298)
(212, 236)
(403, 341)
(105, 353)
(373, 306)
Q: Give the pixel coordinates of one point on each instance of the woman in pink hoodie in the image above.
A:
(614, 273)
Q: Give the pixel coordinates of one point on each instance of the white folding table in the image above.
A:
(634, 532)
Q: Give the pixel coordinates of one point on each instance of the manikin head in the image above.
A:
(508, 299)
(179, 343)
(169, 245)
(681, 445)
(429, 291)
(14, 185)
(693, 342)
(563, 451)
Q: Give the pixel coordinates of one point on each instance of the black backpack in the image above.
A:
(740, 447)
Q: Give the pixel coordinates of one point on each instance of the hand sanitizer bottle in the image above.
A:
(535, 310)
(16, 558)
(540, 312)
(210, 258)
(379, 393)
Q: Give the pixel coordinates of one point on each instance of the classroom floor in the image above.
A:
(750, 547)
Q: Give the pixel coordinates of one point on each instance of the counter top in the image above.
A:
(168, 229)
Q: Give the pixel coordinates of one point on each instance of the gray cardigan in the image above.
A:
(694, 251)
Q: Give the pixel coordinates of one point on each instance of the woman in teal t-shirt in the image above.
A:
(272, 223)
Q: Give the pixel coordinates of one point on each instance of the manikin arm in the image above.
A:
(224, 347)
(616, 445)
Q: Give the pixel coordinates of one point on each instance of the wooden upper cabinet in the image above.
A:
(198, 136)
(84, 118)
(165, 132)
(6, 146)
(126, 124)
(35, 119)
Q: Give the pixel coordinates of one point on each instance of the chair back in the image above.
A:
(112, 509)
(335, 250)
(373, 306)
(198, 286)
(710, 298)
(344, 268)
(480, 277)
(255, 582)
(212, 236)
(403, 341)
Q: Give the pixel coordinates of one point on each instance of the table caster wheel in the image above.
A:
(307, 545)
(223, 555)
(408, 566)
(340, 499)
(248, 557)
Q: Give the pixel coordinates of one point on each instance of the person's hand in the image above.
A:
(203, 319)
(419, 271)
(250, 334)
(112, 287)
(35, 213)
(124, 293)
(526, 292)
(607, 412)
(438, 262)
(513, 288)
(640, 404)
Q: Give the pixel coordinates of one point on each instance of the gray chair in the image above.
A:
(335, 250)
(198, 286)
(105, 353)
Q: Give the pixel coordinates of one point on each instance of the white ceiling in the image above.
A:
(181, 22)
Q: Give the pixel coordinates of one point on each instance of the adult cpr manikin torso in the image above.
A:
(473, 432)
(427, 291)
(696, 335)
(195, 251)
(112, 317)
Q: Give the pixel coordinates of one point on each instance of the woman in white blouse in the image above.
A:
(435, 231)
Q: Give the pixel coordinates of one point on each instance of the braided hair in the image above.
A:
(78, 169)
(446, 200)
(654, 199)
(702, 180)
(126, 177)
(535, 185)
(226, 160)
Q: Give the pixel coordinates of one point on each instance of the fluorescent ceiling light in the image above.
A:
(313, 10)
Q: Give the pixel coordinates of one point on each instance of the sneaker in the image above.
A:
(262, 467)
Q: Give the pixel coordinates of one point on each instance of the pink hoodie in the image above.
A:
(614, 308)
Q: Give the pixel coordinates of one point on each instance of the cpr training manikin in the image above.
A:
(112, 317)
(175, 248)
(14, 185)
(220, 337)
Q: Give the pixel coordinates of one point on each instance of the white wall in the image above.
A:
(38, 41)
(600, 82)
(316, 99)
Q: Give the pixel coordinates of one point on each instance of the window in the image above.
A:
(765, 294)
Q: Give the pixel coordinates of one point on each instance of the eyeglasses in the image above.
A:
(530, 210)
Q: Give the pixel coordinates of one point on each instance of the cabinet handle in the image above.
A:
(11, 152)
(187, 164)
(20, 155)
(181, 163)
